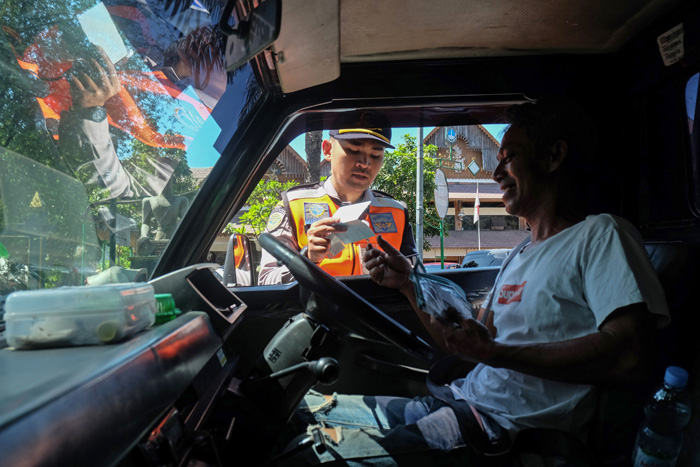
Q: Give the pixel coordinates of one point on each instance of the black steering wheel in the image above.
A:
(315, 279)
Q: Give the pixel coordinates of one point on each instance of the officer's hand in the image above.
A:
(388, 268)
(318, 237)
(89, 92)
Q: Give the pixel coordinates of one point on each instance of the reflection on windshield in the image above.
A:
(106, 106)
(47, 212)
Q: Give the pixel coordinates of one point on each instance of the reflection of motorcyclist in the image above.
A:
(88, 101)
(84, 138)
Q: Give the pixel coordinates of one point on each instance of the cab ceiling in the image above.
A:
(381, 30)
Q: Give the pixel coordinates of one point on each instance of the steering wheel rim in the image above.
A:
(315, 279)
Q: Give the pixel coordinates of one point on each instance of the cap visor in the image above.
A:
(362, 136)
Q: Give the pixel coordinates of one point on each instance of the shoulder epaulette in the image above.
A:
(305, 185)
(309, 190)
(385, 199)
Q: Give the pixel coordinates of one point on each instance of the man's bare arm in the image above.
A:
(620, 351)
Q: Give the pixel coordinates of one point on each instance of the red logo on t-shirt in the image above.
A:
(511, 293)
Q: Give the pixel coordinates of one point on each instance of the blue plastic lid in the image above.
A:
(676, 377)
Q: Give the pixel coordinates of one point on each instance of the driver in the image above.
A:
(574, 307)
(304, 220)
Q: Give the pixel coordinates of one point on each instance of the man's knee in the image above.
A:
(332, 433)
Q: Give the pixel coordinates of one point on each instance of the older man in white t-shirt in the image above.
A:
(574, 307)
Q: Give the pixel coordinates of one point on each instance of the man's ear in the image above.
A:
(326, 149)
(557, 155)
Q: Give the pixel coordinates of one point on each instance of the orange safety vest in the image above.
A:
(305, 205)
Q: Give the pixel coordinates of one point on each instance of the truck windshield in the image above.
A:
(107, 109)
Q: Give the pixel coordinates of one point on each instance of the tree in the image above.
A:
(265, 196)
(313, 154)
(398, 178)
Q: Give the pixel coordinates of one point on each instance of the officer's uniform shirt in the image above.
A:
(281, 227)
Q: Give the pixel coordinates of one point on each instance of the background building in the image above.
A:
(475, 147)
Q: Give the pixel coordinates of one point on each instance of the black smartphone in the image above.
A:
(452, 318)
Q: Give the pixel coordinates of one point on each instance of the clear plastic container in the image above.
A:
(70, 316)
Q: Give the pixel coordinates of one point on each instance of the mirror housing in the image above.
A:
(253, 34)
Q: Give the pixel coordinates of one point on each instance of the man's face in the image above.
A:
(355, 164)
(521, 174)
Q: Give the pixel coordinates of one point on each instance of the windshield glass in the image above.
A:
(105, 110)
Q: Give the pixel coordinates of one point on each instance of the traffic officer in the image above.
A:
(305, 217)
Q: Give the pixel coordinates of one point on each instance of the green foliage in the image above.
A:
(264, 198)
(123, 255)
(398, 178)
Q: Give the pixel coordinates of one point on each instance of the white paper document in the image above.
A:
(358, 229)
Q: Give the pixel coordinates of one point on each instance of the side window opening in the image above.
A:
(289, 169)
(691, 97)
(470, 164)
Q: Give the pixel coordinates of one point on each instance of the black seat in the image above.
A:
(670, 261)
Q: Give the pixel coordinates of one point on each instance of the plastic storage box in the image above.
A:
(70, 316)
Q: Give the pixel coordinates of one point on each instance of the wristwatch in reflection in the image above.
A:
(96, 114)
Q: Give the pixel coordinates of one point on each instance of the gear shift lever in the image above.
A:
(325, 370)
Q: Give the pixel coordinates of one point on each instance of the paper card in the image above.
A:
(351, 212)
(357, 230)
(100, 30)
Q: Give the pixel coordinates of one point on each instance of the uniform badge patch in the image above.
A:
(383, 222)
(315, 211)
(275, 219)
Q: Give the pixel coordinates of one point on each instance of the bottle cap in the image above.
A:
(676, 377)
(166, 308)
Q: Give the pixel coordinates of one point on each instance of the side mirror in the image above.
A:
(252, 34)
(238, 265)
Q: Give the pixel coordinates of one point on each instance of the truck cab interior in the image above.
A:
(219, 384)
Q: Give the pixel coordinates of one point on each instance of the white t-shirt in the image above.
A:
(558, 290)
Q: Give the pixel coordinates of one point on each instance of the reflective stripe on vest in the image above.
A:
(386, 217)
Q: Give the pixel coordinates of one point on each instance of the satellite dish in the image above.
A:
(442, 198)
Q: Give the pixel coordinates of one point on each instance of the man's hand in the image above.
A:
(471, 341)
(318, 237)
(388, 268)
(86, 92)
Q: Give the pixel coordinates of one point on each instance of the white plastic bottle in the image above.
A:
(660, 437)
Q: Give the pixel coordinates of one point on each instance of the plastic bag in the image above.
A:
(437, 296)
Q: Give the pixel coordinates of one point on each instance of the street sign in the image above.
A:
(451, 136)
(442, 197)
